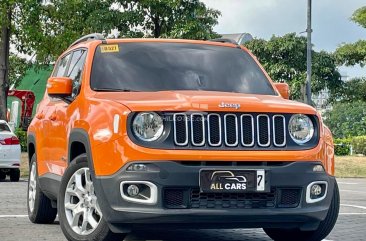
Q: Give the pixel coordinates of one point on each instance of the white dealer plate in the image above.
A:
(231, 181)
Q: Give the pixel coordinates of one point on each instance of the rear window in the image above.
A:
(150, 66)
(4, 128)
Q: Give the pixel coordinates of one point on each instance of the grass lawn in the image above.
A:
(350, 166)
(345, 166)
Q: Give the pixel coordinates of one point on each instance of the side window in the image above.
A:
(75, 70)
(61, 66)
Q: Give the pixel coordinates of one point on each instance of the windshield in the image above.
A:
(150, 66)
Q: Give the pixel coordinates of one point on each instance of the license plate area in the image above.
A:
(232, 181)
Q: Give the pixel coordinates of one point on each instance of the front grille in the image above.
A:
(229, 130)
(231, 200)
(174, 198)
(289, 197)
(192, 198)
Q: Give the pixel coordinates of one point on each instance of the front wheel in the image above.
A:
(80, 216)
(324, 228)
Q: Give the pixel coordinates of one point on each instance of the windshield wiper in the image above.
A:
(115, 90)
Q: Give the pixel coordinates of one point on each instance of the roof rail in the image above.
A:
(93, 36)
(224, 40)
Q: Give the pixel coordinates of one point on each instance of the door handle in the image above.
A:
(53, 117)
(40, 116)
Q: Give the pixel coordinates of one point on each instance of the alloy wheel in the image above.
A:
(32, 185)
(81, 206)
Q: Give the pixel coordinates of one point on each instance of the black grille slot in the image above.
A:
(214, 129)
(231, 130)
(198, 129)
(232, 200)
(289, 197)
(279, 135)
(175, 198)
(181, 129)
(263, 130)
(247, 127)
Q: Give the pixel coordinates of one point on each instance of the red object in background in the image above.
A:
(27, 98)
(10, 141)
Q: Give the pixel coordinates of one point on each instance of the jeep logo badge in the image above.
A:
(229, 105)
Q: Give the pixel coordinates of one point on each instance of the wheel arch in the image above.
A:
(31, 146)
(79, 144)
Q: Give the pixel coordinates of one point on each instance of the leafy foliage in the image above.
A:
(354, 53)
(17, 68)
(22, 136)
(359, 16)
(347, 119)
(47, 29)
(284, 58)
(342, 147)
(172, 18)
(359, 144)
(354, 90)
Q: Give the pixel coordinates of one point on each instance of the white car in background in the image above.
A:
(10, 153)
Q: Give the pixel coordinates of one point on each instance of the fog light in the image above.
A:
(143, 192)
(138, 167)
(133, 190)
(318, 168)
(316, 190)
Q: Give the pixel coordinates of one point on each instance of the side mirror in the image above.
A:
(283, 89)
(59, 86)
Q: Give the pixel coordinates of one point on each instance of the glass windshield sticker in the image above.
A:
(113, 48)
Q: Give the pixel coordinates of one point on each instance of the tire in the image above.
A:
(14, 175)
(2, 176)
(40, 210)
(72, 209)
(325, 226)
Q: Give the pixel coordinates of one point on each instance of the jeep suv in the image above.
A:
(176, 133)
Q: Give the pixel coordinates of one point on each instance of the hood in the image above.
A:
(204, 101)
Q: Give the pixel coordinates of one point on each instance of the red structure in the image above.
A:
(27, 99)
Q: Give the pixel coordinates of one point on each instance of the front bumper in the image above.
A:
(123, 215)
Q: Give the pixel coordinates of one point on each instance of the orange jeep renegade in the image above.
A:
(176, 133)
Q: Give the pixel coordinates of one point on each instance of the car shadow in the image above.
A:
(201, 235)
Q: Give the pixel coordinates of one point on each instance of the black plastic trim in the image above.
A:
(50, 185)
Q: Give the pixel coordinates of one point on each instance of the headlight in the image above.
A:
(301, 129)
(148, 126)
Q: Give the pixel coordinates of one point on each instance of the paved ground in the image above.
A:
(14, 223)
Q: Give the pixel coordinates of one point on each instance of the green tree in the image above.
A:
(44, 29)
(354, 90)
(47, 29)
(354, 53)
(189, 19)
(5, 33)
(284, 58)
(347, 119)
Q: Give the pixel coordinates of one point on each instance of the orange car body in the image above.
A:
(178, 132)
(94, 112)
